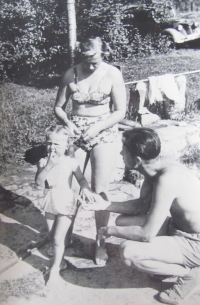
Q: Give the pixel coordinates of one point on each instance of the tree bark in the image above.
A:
(71, 29)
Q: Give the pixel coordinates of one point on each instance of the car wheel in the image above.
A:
(169, 41)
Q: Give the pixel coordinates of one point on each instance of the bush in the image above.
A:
(34, 39)
(33, 35)
(191, 155)
(111, 21)
(148, 45)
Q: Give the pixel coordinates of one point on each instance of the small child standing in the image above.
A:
(60, 203)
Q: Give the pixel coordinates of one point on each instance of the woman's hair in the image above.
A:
(92, 42)
(61, 129)
(142, 142)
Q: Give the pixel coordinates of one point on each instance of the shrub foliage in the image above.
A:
(34, 33)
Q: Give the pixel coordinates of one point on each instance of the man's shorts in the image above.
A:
(107, 135)
(189, 244)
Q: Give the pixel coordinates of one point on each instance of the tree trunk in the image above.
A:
(71, 29)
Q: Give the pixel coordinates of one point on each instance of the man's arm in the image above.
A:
(140, 205)
(163, 195)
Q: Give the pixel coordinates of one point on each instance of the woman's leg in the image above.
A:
(102, 163)
(61, 227)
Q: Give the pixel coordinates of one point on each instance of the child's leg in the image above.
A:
(50, 221)
(61, 228)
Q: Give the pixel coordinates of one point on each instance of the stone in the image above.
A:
(149, 118)
(174, 139)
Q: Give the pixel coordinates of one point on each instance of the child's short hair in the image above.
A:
(142, 142)
(61, 129)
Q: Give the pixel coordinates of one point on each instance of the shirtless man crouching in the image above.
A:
(157, 243)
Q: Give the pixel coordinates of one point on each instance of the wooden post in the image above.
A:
(71, 29)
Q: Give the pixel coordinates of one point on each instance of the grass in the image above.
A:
(26, 111)
(31, 284)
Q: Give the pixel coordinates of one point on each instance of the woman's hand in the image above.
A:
(92, 131)
(72, 129)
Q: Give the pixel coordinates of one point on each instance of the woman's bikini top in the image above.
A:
(94, 98)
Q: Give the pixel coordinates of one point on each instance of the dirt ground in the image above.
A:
(22, 272)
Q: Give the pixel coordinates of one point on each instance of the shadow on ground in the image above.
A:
(23, 226)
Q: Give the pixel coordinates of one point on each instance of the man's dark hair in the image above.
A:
(142, 142)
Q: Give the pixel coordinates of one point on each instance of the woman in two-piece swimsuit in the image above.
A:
(92, 85)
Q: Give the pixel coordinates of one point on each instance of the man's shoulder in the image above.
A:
(174, 173)
(168, 166)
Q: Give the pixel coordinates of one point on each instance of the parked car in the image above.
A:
(178, 31)
(181, 32)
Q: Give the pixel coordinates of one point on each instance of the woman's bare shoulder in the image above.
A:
(114, 73)
(68, 76)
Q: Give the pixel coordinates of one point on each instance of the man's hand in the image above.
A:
(88, 196)
(97, 204)
(103, 233)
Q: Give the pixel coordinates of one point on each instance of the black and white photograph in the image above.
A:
(100, 152)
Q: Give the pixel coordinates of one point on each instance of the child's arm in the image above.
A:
(44, 167)
(86, 191)
(42, 172)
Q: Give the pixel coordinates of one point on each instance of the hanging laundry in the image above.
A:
(166, 85)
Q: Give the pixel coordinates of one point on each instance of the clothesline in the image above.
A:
(146, 79)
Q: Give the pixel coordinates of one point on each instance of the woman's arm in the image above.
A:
(63, 95)
(118, 96)
(61, 102)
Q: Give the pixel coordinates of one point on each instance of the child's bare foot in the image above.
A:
(54, 277)
(101, 255)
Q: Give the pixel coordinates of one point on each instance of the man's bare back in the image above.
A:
(183, 187)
